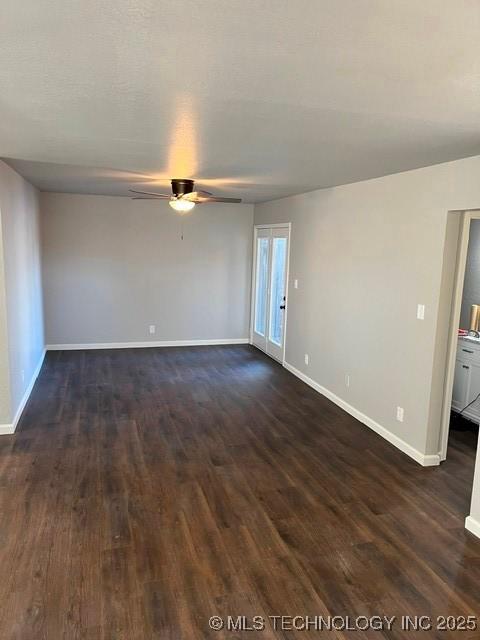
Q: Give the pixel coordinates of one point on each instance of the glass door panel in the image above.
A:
(278, 292)
(277, 307)
(261, 291)
(261, 286)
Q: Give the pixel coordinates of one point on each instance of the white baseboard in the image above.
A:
(143, 345)
(424, 460)
(6, 429)
(473, 526)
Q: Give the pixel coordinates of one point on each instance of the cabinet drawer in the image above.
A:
(467, 353)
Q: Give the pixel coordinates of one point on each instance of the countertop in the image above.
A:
(470, 339)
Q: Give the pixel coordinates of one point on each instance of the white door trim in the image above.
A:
(256, 227)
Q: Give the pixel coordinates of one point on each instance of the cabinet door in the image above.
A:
(461, 384)
(473, 391)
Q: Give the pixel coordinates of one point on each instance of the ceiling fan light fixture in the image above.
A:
(181, 205)
(184, 198)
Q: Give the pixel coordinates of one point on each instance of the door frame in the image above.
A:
(256, 227)
(461, 263)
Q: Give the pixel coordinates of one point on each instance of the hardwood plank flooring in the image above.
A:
(146, 490)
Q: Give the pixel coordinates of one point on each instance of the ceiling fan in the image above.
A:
(183, 197)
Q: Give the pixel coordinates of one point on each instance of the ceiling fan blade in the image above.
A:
(146, 198)
(197, 196)
(149, 193)
(220, 199)
(205, 196)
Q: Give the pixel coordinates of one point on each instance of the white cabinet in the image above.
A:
(460, 385)
(466, 384)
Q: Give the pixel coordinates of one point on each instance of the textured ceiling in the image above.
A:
(255, 98)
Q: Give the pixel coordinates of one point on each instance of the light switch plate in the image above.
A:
(421, 312)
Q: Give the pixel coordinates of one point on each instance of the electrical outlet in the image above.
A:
(347, 380)
(420, 312)
(152, 329)
(400, 414)
(306, 358)
(295, 284)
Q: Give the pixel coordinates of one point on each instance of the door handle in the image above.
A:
(282, 306)
(464, 366)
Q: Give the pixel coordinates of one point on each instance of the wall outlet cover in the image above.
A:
(421, 312)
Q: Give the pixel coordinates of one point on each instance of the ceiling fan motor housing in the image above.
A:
(180, 187)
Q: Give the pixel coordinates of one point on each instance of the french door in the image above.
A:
(269, 295)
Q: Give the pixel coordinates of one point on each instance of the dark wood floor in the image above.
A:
(147, 490)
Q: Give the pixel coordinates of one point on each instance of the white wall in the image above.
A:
(21, 264)
(113, 266)
(5, 400)
(471, 287)
(473, 521)
(365, 255)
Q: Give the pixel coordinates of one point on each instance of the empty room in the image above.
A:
(239, 319)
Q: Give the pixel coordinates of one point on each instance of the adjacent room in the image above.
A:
(465, 416)
(239, 320)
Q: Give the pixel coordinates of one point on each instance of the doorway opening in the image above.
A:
(461, 407)
(271, 251)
